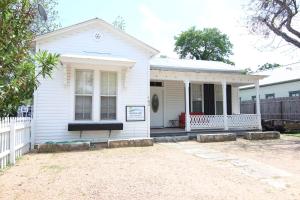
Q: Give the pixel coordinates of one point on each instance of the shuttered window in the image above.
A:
(83, 94)
(108, 97)
(219, 99)
(196, 94)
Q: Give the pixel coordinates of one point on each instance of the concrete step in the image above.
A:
(216, 137)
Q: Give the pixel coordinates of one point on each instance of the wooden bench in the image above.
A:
(95, 126)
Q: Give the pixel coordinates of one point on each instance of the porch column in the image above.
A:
(225, 104)
(187, 107)
(258, 105)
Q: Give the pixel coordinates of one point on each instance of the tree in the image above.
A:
(267, 66)
(119, 23)
(206, 44)
(275, 16)
(17, 60)
(39, 26)
(264, 67)
(247, 71)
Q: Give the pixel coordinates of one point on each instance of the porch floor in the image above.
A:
(164, 132)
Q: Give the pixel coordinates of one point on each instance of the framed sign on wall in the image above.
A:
(135, 113)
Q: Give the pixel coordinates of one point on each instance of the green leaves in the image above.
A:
(45, 63)
(267, 66)
(20, 68)
(206, 44)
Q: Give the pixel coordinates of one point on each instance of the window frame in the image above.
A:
(83, 95)
(270, 96)
(108, 95)
(202, 97)
(294, 92)
(215, 93)
(253, 98)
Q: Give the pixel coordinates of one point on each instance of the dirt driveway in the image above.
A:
(186, 170)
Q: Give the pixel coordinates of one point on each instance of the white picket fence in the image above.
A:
(15, 133)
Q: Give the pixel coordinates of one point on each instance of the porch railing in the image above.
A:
(241, 121)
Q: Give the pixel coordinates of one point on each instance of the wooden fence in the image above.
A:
(285, 108)
(15, 133)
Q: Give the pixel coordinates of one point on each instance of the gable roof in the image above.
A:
(100, 22)
(172, 64)
(278, 76)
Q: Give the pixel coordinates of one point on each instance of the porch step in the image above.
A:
(132, 142)
(262, 135)
(170, 134)
(171, 139)
(216, 137)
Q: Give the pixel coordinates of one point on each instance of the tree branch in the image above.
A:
(290, 16)
(283, 35)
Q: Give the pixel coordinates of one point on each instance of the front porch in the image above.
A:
(207, 102)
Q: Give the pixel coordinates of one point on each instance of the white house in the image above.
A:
(109, 84)
(281, 82)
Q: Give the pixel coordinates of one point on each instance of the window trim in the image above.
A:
(294, 92)
(272, 95)
(116, 95)
(218, 100)
(75, 94)
(202, 96)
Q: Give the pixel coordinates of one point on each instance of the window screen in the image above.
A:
(83, 94)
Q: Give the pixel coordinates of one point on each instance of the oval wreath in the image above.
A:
(155, 103)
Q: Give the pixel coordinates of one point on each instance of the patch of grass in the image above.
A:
(293, 133)
(5, 168)
(53, 168)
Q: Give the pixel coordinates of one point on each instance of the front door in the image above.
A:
(156, 107)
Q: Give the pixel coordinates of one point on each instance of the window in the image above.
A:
(83, 94)
(156, 84)
(270, 96)
(196, 94)
(294, 93)
(253, 98)
(108, 98)
(219, 99)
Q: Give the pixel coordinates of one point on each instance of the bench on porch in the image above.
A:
(95, 126)
(182, 118)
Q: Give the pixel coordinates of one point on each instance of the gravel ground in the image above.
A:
(186, 170)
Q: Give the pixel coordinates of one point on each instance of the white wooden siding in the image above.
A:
(54, 102)
(280, 90)
(174, 100)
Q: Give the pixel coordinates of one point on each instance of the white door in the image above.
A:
(156, 107)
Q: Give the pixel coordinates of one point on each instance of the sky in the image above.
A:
(156, 22)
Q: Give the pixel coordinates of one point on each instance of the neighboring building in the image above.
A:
(24, 111)
(281, 82)
(109, 85)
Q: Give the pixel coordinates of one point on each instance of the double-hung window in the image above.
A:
(108, 96)
(196, 90)
(83, 94)
(219, 99)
